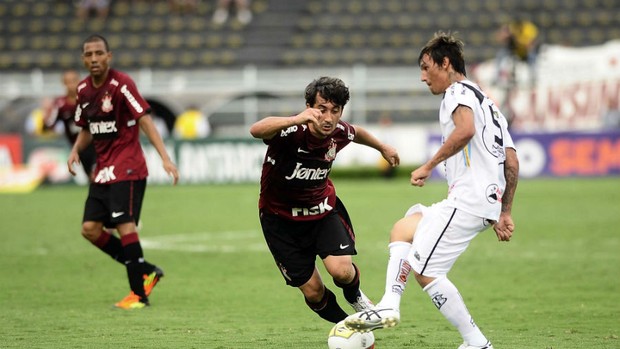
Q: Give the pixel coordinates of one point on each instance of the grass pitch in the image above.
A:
(556, 285)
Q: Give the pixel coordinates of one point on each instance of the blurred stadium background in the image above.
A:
(235, 74)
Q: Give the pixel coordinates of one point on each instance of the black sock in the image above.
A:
(134, 261)
(111, 245)
(351, 290)
(328, 307)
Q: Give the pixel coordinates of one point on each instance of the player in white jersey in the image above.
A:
(481, 167)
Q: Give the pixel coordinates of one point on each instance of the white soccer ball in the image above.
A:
(340, 337)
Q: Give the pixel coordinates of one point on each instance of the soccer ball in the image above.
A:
(340, 337)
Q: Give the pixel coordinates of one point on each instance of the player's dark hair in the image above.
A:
(445, 45)
(95, 38)
(332, 89)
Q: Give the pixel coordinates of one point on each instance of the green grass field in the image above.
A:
(556, 285)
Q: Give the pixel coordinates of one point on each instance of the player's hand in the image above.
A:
(310, 115)
(419, 175)
(74, 158)
(390, 154)
(504, 227)
(171, 170)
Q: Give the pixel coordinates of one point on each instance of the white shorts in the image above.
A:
(441, 237)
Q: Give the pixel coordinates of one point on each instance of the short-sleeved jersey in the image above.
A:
(64, 111)
(475, 175)
(111, 114)
(295, 180)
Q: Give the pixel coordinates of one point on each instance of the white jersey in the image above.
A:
(475, 175)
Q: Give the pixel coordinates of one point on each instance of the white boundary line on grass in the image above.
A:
(208, 241)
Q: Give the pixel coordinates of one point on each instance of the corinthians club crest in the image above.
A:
(331, 151)
(106, 103)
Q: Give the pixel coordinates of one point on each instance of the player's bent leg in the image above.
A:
(446, 297)
(313, 289)
(92, 230)
(346, 275)
(341, 268)
(404, 229)
(321, 299)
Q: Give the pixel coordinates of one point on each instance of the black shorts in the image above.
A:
(88, 158)
(115, 203)
(295, 244)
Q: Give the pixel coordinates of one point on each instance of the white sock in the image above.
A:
(448, 300)
(396, 276)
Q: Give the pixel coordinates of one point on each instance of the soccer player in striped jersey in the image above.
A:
(300, 214)
(111, 113)
(62, 110)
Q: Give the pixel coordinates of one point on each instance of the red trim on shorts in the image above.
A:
(130, 238)
(347, 226)
(131, 199)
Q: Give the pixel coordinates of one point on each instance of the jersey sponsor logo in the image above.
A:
(342, 247)
(493, 193)
(312, 211)
(105, 175)
(308, 174)
(286, 132)
(117, 214)
(131, 99)
(106, 104)
(102, 127)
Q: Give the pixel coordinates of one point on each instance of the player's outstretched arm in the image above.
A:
(268, 127)
(389, 153)
(505, 225)
(148, 127)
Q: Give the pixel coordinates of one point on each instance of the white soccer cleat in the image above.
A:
(467, 346)
(372, 319)
(362, 303)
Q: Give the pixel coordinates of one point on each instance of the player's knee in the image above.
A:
(341, 270)
(423, 280)
(313, 294)
(91, 231)
(343, 275)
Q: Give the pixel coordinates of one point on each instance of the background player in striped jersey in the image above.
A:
(62, 109)
(111, 113)
(481, 167)
(300, 214)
